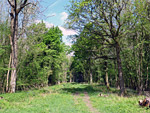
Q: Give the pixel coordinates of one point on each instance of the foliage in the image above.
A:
(4, 52)
(44, 55)
(112, 32)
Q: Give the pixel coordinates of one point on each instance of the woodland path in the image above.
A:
(87, 101)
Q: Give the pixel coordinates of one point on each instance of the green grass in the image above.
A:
(116, 104)
(60, 99)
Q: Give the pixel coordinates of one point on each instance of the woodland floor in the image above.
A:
(71, 98)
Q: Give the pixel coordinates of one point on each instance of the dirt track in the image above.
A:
(87, 101)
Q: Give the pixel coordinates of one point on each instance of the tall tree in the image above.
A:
(16, 7)
(108, 17)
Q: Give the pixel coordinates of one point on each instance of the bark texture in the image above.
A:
(121, 80)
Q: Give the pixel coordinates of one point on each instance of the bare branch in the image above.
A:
(22, 6)
(12, 5)
(25, 1)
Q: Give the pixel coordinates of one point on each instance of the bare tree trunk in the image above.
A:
(7, 85)
(116, 77)
(107, 82)
(13, 47)
(106, 75)
(70, 76)
(15, 10)
(90, 71)
(147, 78)
(91, 78)
(121, 80)
(58, 82)
(14, 28)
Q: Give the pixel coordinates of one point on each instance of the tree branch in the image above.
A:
(24, 5)
(25, 1)
(104, 57)
(10, 3)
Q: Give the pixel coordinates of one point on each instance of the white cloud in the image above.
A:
(64, 16)
(67, 32)
(67, 41)
(48, 25)
(38, 21)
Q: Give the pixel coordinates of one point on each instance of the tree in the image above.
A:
(16, 7)
(44, 57)
(89, 47)
(108, 17)
(32, 70)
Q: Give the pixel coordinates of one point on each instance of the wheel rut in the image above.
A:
(87, 101)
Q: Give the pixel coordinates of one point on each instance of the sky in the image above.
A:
(55, 14)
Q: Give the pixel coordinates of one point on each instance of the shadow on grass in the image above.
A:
(90, 89)
(95, 89)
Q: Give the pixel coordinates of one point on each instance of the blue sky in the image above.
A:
(55, 15)
(56, 8)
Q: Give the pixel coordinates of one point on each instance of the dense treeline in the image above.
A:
(31, 55)
(43, 55)
(42, 58)
(111, 48)
(113, 42)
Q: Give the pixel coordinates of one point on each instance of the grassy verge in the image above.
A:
(60, 99)
(47, 100)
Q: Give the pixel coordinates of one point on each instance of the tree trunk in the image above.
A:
(121, 80)
(70, 76)
(140, 74)
(146, 86)
(140, 79)
(91, 78)
(90, 71)
(14, 32)
(116, 76)
(15, 10)
(107, 82)
(106, 76)
(58, 82)
(7, 85)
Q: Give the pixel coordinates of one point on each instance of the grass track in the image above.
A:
(60, 99)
